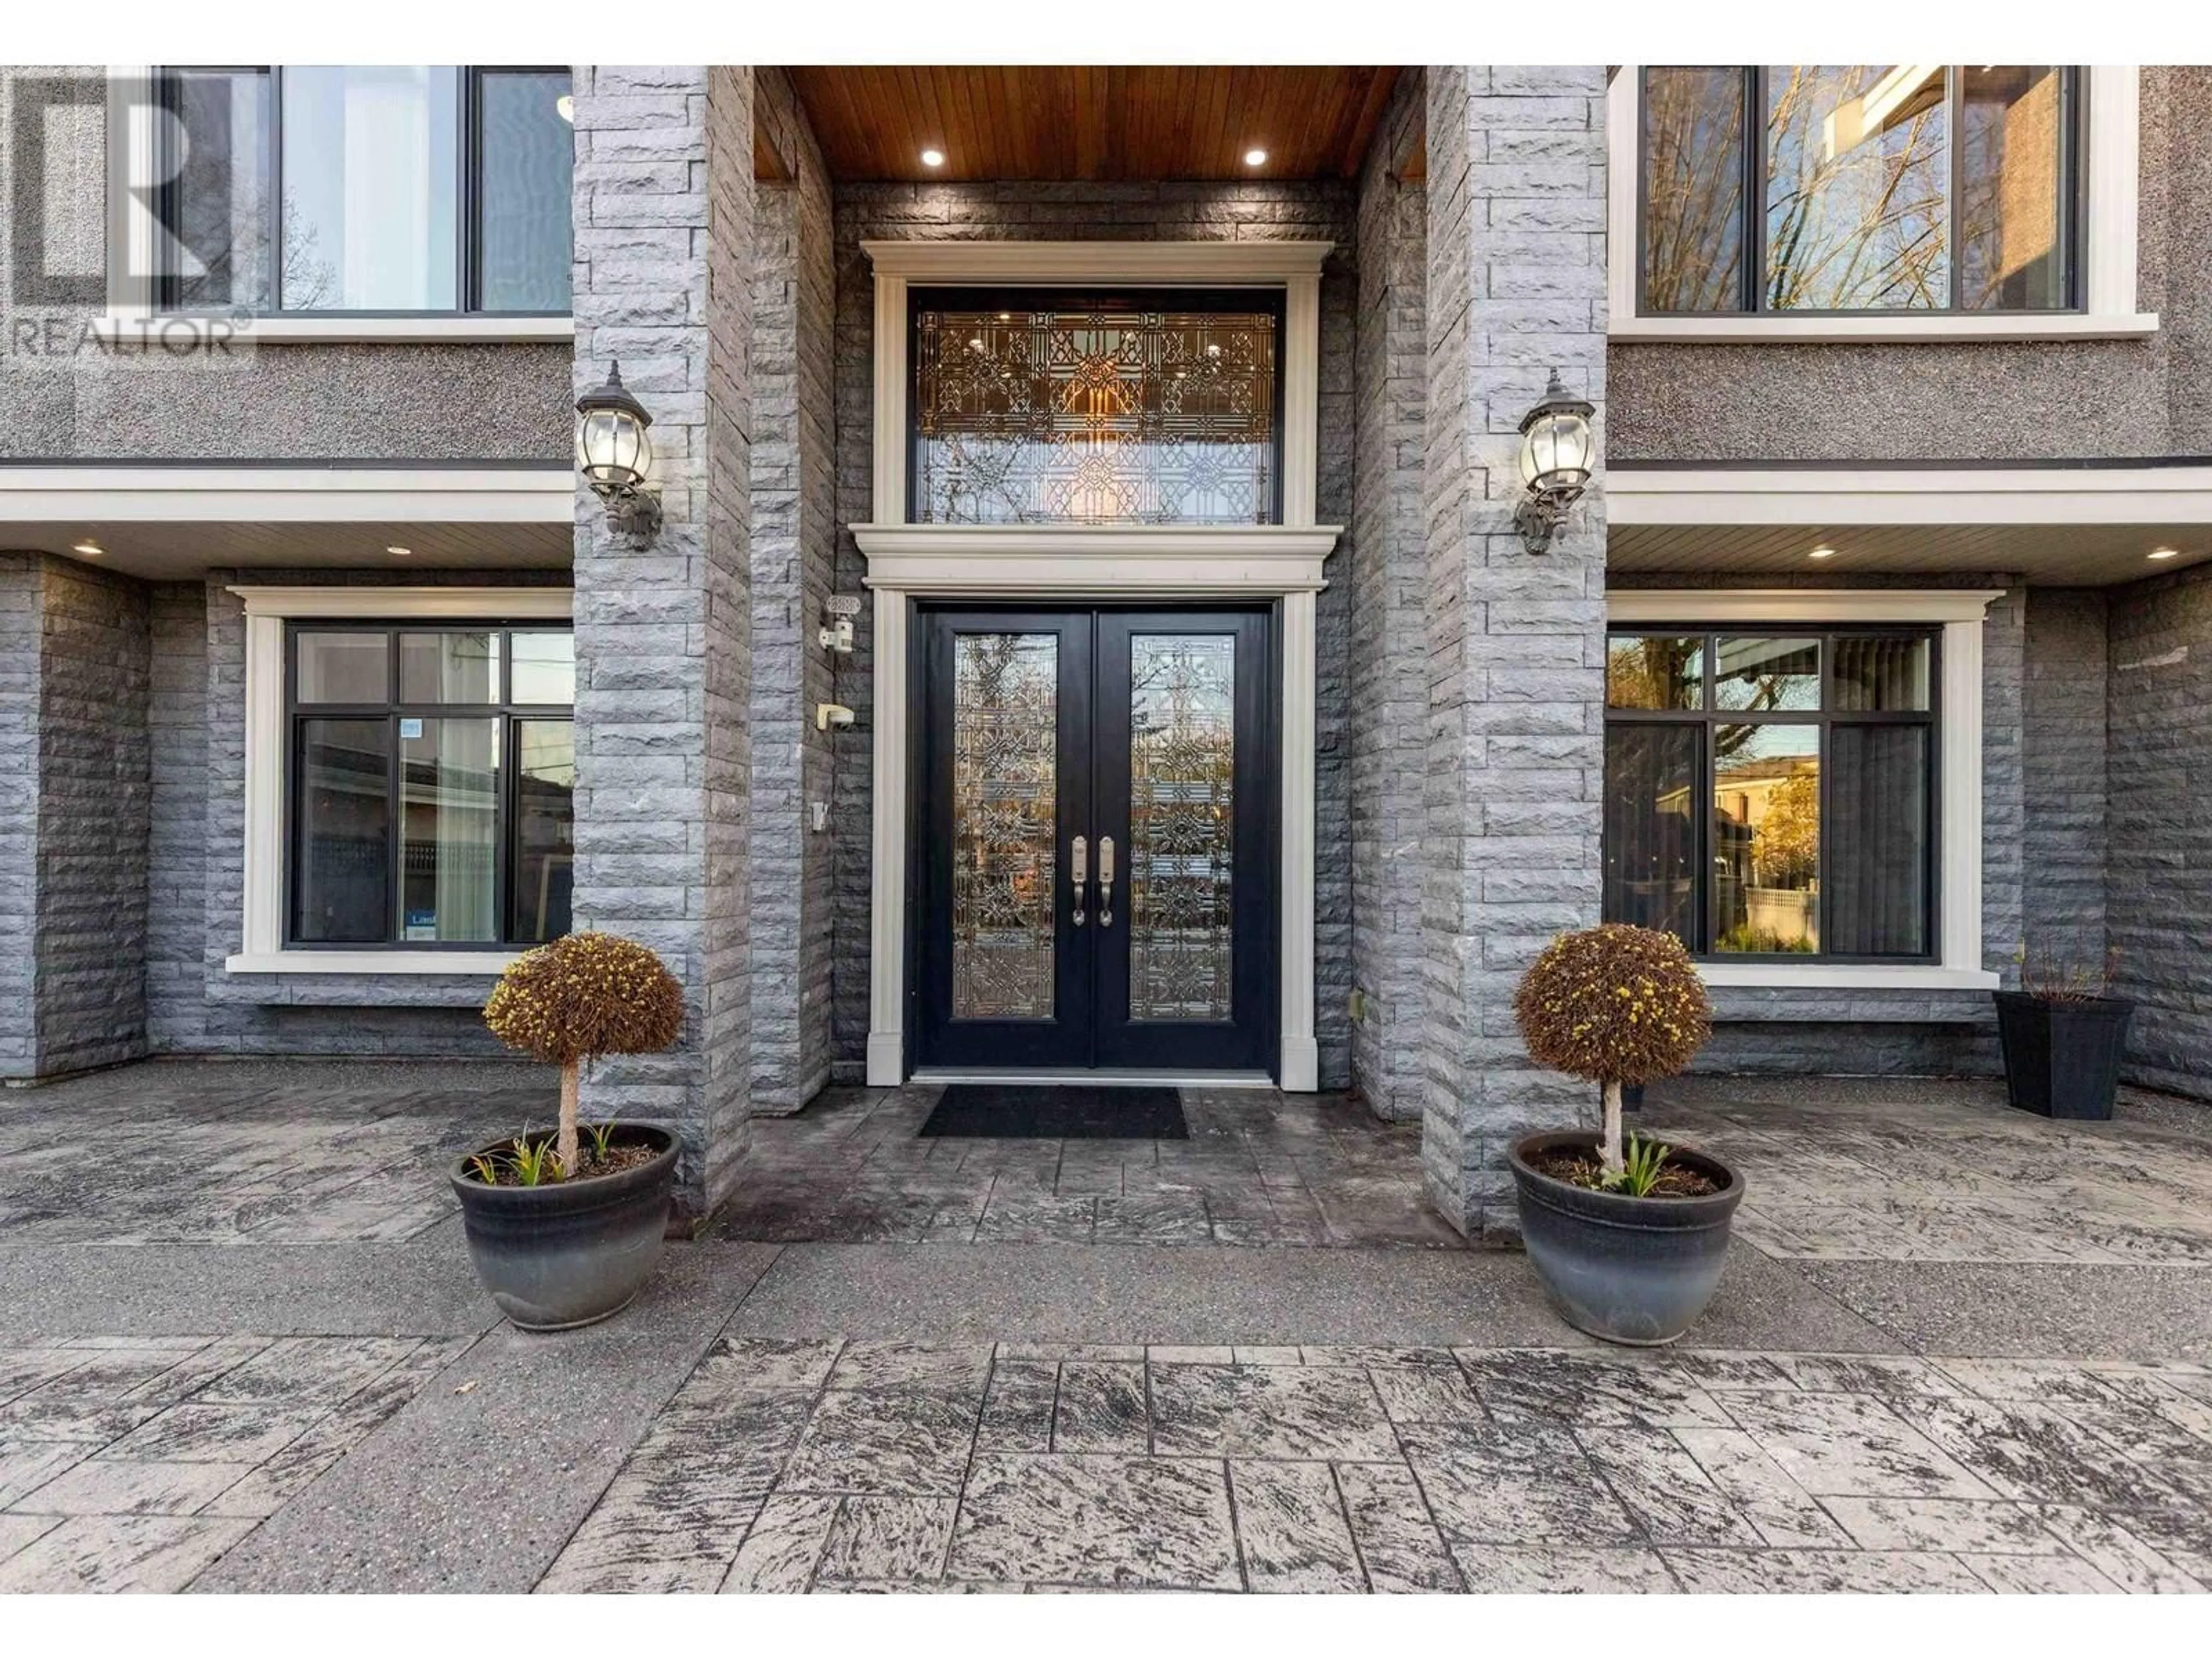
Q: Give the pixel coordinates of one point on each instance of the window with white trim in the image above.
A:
(1865, 187)
(430, 774)
(1771, 789)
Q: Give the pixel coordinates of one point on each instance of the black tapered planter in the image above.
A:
(2062, 1057)
(1632, 1270)
(569, 1252)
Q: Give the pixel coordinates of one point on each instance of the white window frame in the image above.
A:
(267, 611)
(132, 323)
(2108, 245)
(1959, 612)
(1283, 561)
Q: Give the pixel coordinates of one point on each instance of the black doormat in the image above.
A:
(1057, 1112)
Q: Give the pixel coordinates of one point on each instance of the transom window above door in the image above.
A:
(1860, 188)
(381, 189)
(1059, 406)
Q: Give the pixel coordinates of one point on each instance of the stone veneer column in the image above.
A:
(664, 207)
(73, 660)
(1515, 289)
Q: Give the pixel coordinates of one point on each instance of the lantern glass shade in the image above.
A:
(613, 450)
(1555, 451)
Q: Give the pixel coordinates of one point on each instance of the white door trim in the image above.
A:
(910, 561)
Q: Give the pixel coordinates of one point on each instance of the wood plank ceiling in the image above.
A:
(1135, 124)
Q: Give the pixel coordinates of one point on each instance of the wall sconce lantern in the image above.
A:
(615, 454)
(1557, 448)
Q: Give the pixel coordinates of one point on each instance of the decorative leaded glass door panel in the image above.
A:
(1097, 883)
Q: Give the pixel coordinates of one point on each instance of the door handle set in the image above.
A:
(1079, 871)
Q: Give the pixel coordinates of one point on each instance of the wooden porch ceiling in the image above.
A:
(1142, 123)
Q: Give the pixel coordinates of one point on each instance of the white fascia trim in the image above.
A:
(1013, 560)
(1905, 496)
(247, 493)
(542, 604)
(126, 329)
(373, 964)
(1228, 263)
(1799, 604)
(2109, 276)
(262, 926)
(1846, 976)
(1958, 739)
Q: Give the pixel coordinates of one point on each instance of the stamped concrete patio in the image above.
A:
(241, 1348)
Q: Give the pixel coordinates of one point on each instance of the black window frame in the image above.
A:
(505, 709)
(469, 197)
(1708, 716)
(1041, 296)
(2074, 193)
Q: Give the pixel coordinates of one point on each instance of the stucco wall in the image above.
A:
(66, 399)
(1081, 212)
(2047, 400)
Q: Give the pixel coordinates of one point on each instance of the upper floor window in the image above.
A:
(385, 188)
(1052, 406)
(1870, 188)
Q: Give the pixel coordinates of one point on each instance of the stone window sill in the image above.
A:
(126, 330)
(450, 963)
(1846, 976)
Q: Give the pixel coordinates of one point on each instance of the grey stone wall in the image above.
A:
(663, 210)
(2011, 400)
(1079, 212)
(794, 543)
(1386, 576)
(2159, 767)
(73, 680)
(176, 854)
(485, 402)
(2063, 750)
(1516, 287)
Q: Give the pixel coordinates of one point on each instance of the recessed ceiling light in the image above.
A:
(401, 552)
(1255, 158)
(89, 548)
(2165, 553)
(1822, 553)
(932, 158)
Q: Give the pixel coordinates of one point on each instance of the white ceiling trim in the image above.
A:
(1837, 604)
(1899, 495)
(971, 560)
(281, 494)
(544, 603)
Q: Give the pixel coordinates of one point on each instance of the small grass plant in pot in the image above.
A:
(565, 1225)
(1628, 1235)
(2063, 1034)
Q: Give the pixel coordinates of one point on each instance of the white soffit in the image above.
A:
(167, 522)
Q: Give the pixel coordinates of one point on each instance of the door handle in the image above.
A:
(1080, 856)
(1105, 881)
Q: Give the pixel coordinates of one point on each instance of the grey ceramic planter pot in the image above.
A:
(1632, 1270)
(573, 1252)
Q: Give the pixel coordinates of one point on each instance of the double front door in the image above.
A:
(1096, 881)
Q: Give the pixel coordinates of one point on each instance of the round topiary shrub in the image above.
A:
(580, 997)
(1615, 1005)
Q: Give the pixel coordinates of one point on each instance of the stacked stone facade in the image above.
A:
(1515, 640)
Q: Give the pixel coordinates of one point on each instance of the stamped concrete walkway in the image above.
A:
(240, 1347)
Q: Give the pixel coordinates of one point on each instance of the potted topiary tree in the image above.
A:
(2062, 1035)
(1628, 1239)
(565, 1226)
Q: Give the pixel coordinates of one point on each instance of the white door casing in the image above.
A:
(1099, 563)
